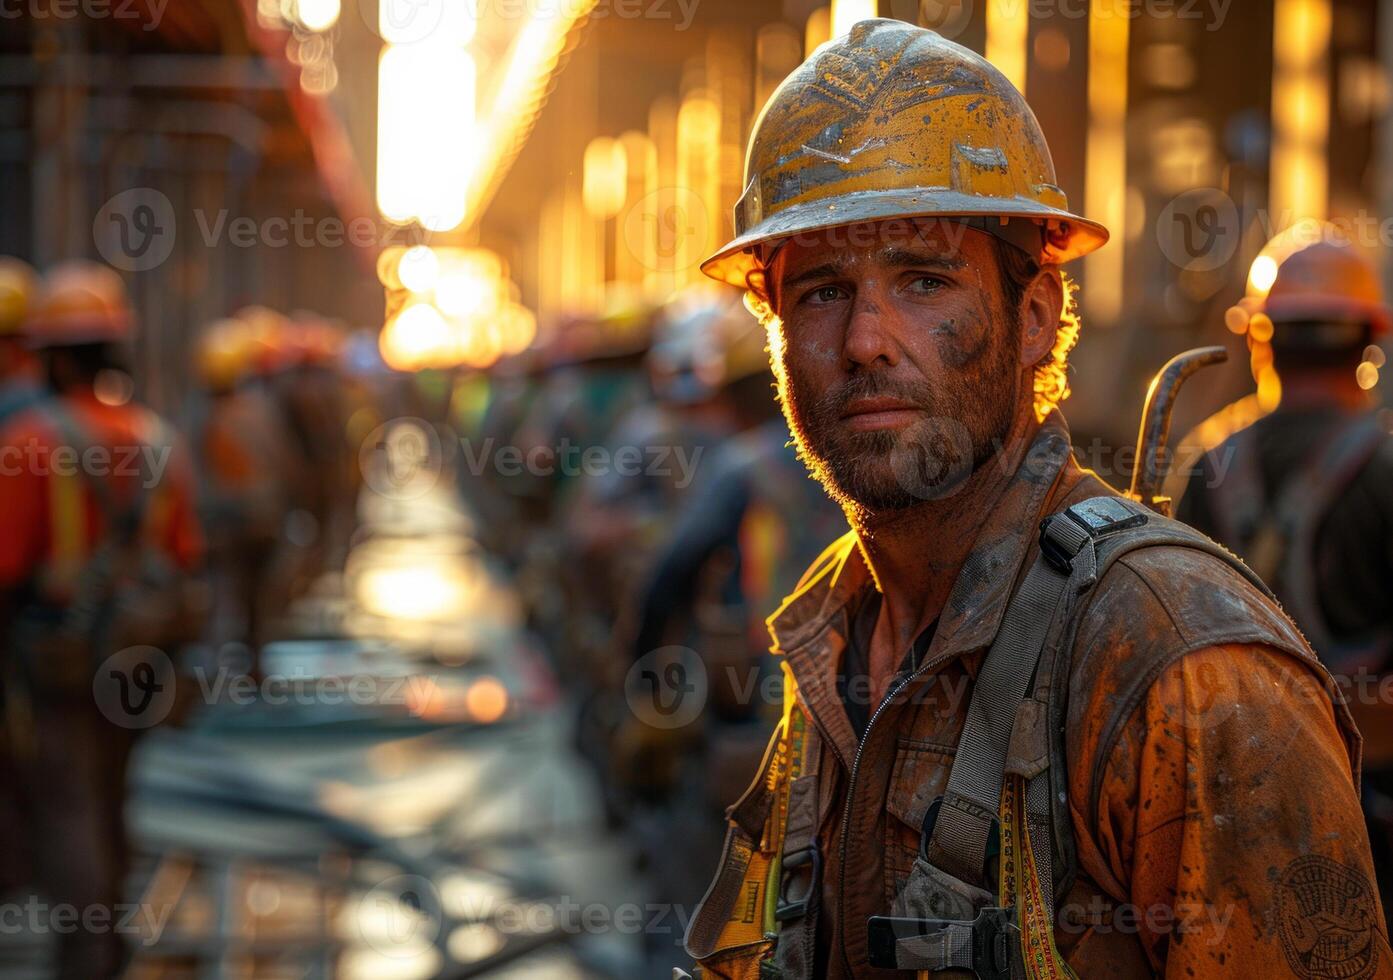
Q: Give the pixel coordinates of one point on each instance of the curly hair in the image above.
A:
(1018, 270)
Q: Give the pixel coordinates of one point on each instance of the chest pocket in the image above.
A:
(919, 776)
(726, 935)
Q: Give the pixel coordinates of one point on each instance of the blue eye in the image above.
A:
(926, 284)
(825, 294)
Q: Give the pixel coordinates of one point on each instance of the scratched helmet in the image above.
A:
(1323, 283)
(80, 302)
(894, 121)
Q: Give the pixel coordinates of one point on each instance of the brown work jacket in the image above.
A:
(1211, 773)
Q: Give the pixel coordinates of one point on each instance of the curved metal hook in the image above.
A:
(1150, 470)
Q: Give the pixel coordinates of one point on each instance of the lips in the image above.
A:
(879, 413)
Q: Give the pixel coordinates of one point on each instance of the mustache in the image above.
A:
(832, 403)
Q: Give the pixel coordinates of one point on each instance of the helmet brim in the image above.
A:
(1073, 237)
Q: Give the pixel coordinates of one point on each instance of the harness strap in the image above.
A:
(972, 800)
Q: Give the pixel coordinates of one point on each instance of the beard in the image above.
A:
(964, 422)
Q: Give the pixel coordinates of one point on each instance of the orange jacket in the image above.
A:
(1213, 803)
(50, 517)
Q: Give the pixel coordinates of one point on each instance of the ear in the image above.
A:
(1041, 308)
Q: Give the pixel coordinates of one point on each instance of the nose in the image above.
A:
(868, 336)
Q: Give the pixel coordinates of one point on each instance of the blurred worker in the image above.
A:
(19, 368)
(593, 379)
(244, 454)
(1030, 727)
(97, 540)
(734, 552)
(709, 379)
(1305, 494)
(19, 388)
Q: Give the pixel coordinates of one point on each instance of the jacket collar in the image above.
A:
(977, 601)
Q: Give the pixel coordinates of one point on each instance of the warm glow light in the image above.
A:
(698, 174)
(317, 15)
(410, 341)
(414, 592)
(1269, 389)
(535, 54)
(818, 30)
(1105, 188)
(486, 699)
(425, 129)
(848, 12)
(470, 282)
(1300, 110)
(1007, 29)
(450, 22)
(1236, 319)
(604, 177)
(418, 269)
(1366, 375)
(1262, 274)
(1260, 328)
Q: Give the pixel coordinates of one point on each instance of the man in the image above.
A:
(1155, 777)
(244, 454)
(97, 540)
(19, 375)
(1305, 494)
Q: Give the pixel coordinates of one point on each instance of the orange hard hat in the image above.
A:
(267, 331)
(79, 302)
(224, 353)
(1327, 281)
(18, 284)
(894, 121)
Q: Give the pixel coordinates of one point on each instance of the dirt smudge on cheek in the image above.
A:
(964, 340)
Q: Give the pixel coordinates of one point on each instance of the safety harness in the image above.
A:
(1006, 794)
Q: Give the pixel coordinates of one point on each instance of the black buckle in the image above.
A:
(1099, 518)
(994, 937)
(796, 906)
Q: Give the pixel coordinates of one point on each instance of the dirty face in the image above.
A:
(899, 358)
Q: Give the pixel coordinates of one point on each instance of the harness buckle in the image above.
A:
(1064, 535)
(793, 902)
(984, 945)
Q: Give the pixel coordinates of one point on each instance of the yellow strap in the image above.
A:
(788, 765)
(66, 525)
(1020, 886)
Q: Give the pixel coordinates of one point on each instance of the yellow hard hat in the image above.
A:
(80, 302)
(1322, 278)
(18, 284)
(894, 121)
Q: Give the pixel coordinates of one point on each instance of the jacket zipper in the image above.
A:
(844, 835)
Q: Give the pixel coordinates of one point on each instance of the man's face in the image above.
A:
(898, 360)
